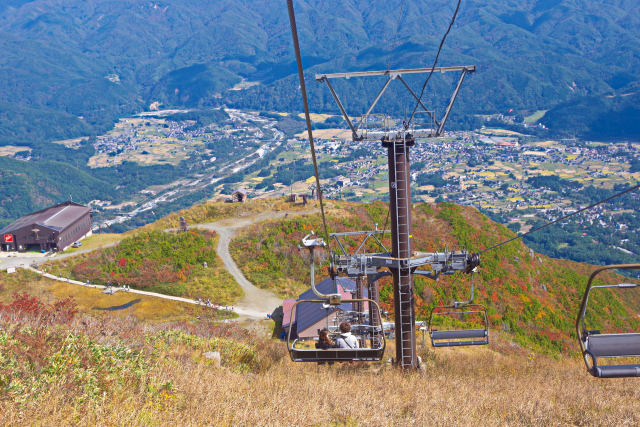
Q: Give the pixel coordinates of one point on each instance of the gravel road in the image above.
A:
(255, 299)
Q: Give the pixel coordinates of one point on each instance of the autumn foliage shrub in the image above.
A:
(150, 259)
(27, 307)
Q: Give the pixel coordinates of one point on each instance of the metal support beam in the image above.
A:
(358, 306)
(430, 113)
(451, 101)
(400, 209)
(375, 101)
(348, 75)
(354, 131)
(374, 315)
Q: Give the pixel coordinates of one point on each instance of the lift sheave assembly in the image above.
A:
(596, 346)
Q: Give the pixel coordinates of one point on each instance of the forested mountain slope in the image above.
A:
(91, 61)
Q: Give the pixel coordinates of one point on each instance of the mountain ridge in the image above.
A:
(100, 61)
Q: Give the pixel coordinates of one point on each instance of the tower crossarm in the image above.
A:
(395, 73)
(439, 262)
(360, 130)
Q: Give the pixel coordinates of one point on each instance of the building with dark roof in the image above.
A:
(310, 317)
(51, 229)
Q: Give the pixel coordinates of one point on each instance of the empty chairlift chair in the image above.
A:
(596, 346)
(454, 336)
(462, 324)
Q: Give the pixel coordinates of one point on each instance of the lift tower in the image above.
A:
(402, 262)
(400, 212)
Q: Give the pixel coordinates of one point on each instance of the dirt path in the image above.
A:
(255, 304)
(255, 299)
(240, 311)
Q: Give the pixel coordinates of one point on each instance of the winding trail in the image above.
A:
(255, 299)
(255, 304)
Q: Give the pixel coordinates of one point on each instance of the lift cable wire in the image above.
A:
(303, 89)
(435, 62)
(519, 236)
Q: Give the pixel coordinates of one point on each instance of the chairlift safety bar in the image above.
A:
(580, 321)
(594, 345)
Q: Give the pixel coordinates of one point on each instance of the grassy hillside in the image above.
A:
(61, 366)
(99, 305)
(212, 211)
(534, 299)
(65, 359)
(169, 263)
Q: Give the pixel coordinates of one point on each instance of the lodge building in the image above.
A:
(51, 229)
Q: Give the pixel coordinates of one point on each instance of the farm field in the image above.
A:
(12, 150)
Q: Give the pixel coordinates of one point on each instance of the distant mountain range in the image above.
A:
(70, 67)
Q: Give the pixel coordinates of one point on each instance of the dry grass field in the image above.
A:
(90, 300)
(316, 117)
(500, 132)
(146, 365)
(163, 378)
(212, 211)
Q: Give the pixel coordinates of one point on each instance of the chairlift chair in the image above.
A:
(299, 352)
(596, 345)
(303, 349)
(459, 337)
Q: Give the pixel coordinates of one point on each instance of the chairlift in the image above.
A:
(465, 311)
(596, 345)
(370, 339)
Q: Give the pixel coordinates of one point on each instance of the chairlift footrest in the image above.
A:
(616, 371)
(458, 343)
(459, 334)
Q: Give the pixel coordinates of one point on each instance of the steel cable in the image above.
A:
(533, 230)
(296, 46)
(435, 62)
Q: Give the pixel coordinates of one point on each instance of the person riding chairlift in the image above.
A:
(346, 339)
(324, 342)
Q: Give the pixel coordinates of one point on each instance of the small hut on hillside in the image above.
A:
(238, 196)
